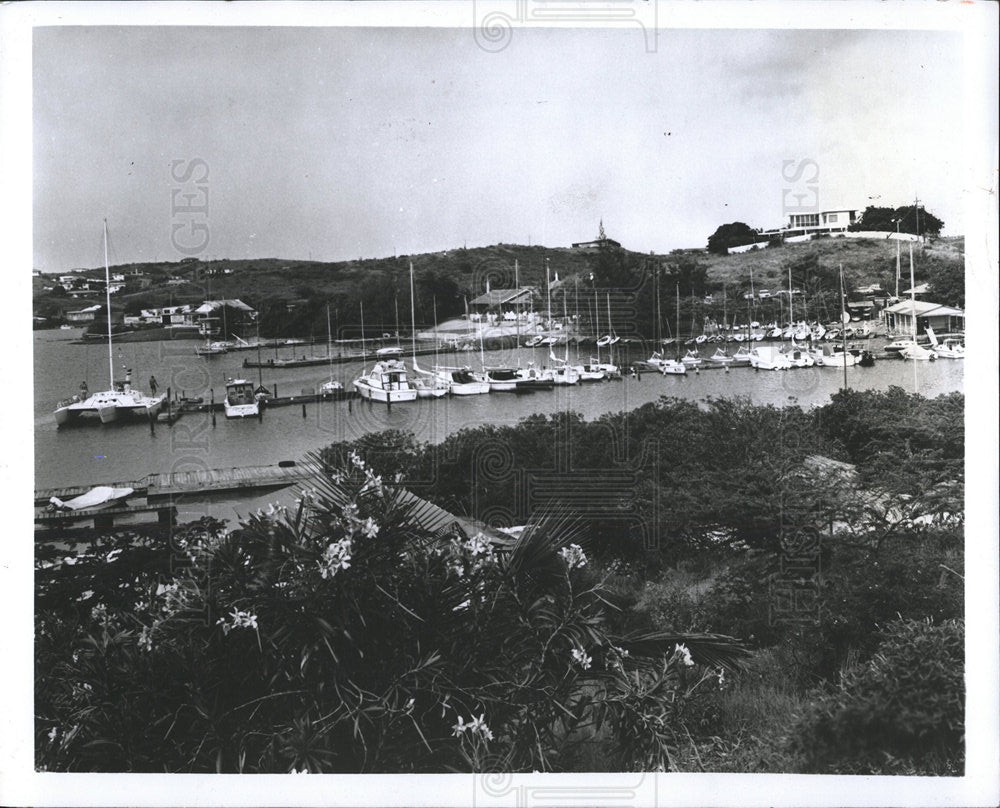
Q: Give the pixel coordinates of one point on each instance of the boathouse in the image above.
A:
(503, 301)
(906, 317)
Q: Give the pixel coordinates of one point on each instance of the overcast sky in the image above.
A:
(345, 143)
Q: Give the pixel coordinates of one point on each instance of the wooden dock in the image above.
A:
(157, 494)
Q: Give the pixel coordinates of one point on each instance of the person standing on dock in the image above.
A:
(152, 385)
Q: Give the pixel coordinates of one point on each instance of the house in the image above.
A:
(825, 221)
(503, 300)
(908, 317)
(86, 315)
(168, 315)
(601, 241)
(232, 314)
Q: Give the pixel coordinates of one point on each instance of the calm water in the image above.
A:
(94, 454)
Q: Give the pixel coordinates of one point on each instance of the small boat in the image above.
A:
(330, 387)
(691, 358)
(534, 378)
(505, 380)
(839, 358)
(611, 371)
(388, 353)
(462, 381)
(66, 327)
(429, 386)
(951, 348)
(741, 358)
(241, 400)
(387, 382)
(101, 496)
(917, 352)
(799, 357)
(665, 366)
(720, 355)
(605, 340)
(768, 358)
(531, 342)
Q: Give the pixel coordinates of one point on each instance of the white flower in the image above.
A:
(722, 678)
(336, 557)
(460, 727)
(370, 528)
(53, 734)
(479, 725)
(681, 651)
(581, 658)
(296, 771)
(573, 556)
(240, 619)
(409, 706)
(145, 641)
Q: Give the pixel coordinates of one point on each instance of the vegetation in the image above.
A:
(734, 234)
(350, 634)
(909, 218)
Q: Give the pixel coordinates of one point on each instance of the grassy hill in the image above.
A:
(292, 295)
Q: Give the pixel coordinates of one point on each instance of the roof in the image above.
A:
(212, 305)
(919, 289)
(923, 308)
(498, 297)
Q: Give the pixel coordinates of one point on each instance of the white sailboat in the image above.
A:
(119, 399)
(913, 350)
(951, 348)
(331, 386)
(425, 383)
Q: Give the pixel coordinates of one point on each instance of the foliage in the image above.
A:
(343, 637)
(947, 283)
(911, 219)
(734, 234)
(901, 712)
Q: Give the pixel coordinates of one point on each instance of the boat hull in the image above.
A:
(371, 393)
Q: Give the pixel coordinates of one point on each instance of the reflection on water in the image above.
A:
(90, 454)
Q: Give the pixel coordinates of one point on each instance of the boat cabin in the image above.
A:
(240, 391)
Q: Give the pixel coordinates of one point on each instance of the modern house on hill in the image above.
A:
(601, 241)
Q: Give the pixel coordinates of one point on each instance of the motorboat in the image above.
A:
(917, 352)
(389, 353)
(767, 357)
(387, 382)
(101, 496)
(951, 348)
(535, 378)
(241, 400)
(799, 357)
(839, 358)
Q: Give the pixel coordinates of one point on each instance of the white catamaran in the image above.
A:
(120, 398)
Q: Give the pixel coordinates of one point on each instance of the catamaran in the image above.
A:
(119, 399)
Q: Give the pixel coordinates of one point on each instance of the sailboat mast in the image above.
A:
(329, 340)
(548, 295)
(913, 303)
(677, 340)
(364, 359)
(413, 318)
(597, 327)
(611, 333)
(897, 261)
(107, 294)
(845, 319)
(791, 308)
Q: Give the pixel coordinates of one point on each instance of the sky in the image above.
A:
(334, 144)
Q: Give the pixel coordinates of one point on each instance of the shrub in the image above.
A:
(899, 713)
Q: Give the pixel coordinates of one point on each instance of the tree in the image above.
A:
(910, 218)
(947, 280)
(734, 234)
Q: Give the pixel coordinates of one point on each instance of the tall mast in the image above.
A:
(913, 302)
(845, 318)
(791, 307)
(597, 327)
(611, 333)
(413, 319)
(364, 360)
(548, 295)
(677, 341)
(329, 340)
(897, 260)
(107, 294)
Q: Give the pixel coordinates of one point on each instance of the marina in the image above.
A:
(298, 418)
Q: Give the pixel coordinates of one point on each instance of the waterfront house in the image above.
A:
(906, 317)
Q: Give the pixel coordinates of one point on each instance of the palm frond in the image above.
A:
(536, 552)
(713, 650)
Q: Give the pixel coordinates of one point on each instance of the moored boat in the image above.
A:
(385, 382)
(241, 400)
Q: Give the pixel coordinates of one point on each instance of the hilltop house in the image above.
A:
(601, 241)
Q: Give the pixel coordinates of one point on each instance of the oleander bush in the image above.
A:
(343, 637)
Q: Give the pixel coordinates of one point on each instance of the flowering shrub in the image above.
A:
(339, 636)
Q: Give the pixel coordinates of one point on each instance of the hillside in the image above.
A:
(292, 295)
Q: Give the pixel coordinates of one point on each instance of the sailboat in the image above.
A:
(591, 371)
(913, 350)
(425, 383)
(119, 399)
(611, 370)
(332, 386)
